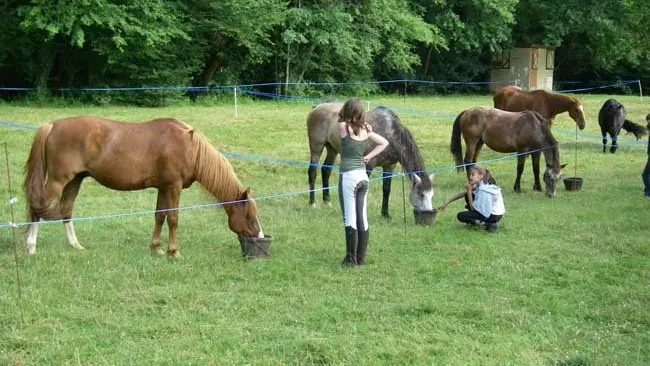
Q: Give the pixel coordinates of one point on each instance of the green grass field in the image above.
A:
(563, 282)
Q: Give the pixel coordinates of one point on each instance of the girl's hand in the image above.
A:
(366, 159)
(368, 127)
(442, 207)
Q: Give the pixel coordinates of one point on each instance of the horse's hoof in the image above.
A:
(174, 255)
(312, 205)
(327, 203)
(386, 217)
(78, 247)
(157, 252)
(31, 250)
(538, 189)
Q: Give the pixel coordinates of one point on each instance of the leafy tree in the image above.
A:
(351, 41)
(596, 39)
(93, 42)
(472, 30)
(229, 36)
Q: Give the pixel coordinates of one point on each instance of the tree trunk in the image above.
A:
(210, 67)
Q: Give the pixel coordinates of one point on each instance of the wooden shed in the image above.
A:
(528, 67)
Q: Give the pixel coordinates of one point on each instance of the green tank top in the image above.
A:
(352, 152)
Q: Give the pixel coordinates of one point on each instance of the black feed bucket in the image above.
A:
(255, 247)
(425, 217)
(573, 183)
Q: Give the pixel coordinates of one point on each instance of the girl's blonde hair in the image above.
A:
(485, 172)
(352, 112)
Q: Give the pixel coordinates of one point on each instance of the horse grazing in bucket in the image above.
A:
(508, 132)
(513, 99)
(323, 133)
(611, 118)
(164, 153)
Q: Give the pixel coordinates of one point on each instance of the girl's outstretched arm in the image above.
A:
(458, 196)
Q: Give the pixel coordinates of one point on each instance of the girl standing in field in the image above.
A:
(356, 136)
(485, 204)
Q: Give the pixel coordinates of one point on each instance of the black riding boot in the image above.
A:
(363, 247)
(351, 241)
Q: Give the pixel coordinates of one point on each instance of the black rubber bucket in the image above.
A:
(573, 183)
(425, 217)
(255, 247)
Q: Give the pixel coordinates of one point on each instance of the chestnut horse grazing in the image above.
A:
(164, 153)
(508, 132)
(512, 98)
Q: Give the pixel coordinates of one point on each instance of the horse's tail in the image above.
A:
(634, 128)
(35, 175)
(456, 145)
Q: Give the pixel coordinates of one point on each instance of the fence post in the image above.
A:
(640, 90)
(235, 93)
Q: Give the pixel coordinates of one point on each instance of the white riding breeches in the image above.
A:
(353, 196)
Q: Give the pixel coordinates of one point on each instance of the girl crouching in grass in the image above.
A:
(484, 200)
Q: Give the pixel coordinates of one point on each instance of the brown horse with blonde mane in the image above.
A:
(508, 132)
(513, 99)
(164, 153)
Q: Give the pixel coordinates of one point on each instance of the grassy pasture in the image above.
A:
(563, 282)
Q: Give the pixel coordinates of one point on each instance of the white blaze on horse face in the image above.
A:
(261, 233)
(420, 199)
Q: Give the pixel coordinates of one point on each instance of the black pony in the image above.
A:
(611, 119)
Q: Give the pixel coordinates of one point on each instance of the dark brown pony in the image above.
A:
(508, 132)
(611, 118)
(164, 153)
(512, 98)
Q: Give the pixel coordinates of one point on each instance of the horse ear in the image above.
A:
(432, 176)
(416, 180)
(244, 195)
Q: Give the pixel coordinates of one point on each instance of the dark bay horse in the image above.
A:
(508, 132)
(323, 133)
(611, 118)
(513, 99)
(164, 153)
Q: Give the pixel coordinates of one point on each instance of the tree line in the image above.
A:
(53, 45)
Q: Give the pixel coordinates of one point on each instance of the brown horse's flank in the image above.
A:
(165, 153)
(514, 99)
(526, 133)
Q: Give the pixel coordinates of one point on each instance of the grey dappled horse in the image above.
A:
(323, 133)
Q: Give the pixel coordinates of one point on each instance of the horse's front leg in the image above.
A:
(614, 144)
(386, 174)
(521, 160)
(160, 216)
(172, 200)
(603, 133)
(537, 186)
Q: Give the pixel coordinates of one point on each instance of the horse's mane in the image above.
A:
(408, 142)
(548, 135)
(213, 171)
